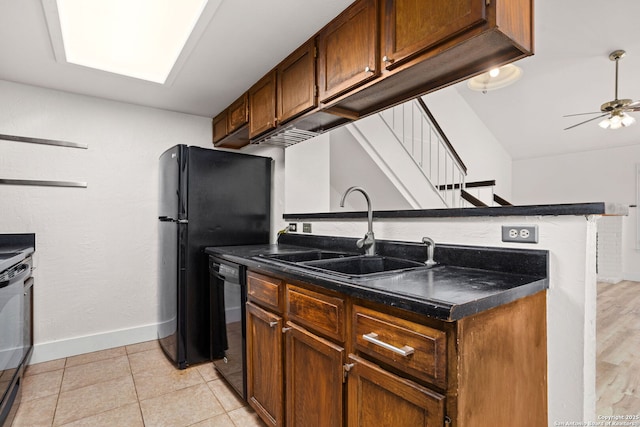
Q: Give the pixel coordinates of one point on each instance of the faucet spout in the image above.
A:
(369, 241)
(431, 246)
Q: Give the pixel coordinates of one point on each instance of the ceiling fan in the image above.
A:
(617, 109)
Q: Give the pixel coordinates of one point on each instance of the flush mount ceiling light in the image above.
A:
(144, 39)
(495, 78)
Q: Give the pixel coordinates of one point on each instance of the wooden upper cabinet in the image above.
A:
(297, 83)
(409, 27)
(238, 113)
(348, 50)
(262, 105)
(219, 125)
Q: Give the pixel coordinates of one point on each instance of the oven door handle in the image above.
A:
(23, 271)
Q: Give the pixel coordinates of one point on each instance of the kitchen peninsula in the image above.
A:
(460, 342)
(567, 232)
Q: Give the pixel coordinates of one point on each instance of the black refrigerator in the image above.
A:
(207, 198)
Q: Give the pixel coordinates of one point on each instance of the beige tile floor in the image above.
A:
(128, 386)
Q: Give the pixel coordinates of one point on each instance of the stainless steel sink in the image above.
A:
(365, 265)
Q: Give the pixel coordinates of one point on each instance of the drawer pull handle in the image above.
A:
(373, 338)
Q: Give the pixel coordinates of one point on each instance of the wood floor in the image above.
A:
(618, 349)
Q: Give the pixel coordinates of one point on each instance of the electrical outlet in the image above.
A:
(306, 227)
(520, 233)
(293, 227)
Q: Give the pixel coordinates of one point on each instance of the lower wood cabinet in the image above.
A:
(265, 391)
(320, 358)
(378, 398)
(314, 375)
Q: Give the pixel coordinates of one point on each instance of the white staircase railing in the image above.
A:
(422, 138)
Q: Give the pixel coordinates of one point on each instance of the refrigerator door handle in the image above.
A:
(182, 221)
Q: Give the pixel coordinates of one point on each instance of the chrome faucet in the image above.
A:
(431, 246)
(369, 241)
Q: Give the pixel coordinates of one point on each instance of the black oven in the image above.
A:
(228, 324)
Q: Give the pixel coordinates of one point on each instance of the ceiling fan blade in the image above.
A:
(582, 114)
(634, 106)
(587, 121)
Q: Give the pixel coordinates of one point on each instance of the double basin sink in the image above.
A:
(346, 264)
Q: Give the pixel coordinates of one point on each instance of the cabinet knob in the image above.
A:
(367, 69)
(285, 330)
(273, 324)
(387, 60)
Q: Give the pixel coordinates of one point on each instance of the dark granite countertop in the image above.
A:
(468, 279)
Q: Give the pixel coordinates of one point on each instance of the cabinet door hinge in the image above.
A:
(315, 91)
(487, 2)
(315, 51)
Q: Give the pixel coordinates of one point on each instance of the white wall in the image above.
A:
(351, 165)
(96, 258)
(308, 175)
(570, 241)
(600, 175)
(482, 153)
(319, 170)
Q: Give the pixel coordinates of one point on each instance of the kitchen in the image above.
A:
(96, 251)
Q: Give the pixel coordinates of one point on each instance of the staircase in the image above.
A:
(422, 138)
(413, 126)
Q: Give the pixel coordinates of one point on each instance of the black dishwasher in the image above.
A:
(228, 324)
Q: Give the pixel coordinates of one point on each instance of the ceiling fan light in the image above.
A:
(627, 120)
(605, 123)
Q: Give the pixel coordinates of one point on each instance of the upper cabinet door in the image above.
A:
(297, 83)
(348, 50)
(412, 26)
(219, 125)
(238, 113)
(262, 105)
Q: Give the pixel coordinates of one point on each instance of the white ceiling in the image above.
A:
(569, 73)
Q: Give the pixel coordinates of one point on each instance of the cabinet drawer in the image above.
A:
(265, 291)
(416, 349)
(318, 312)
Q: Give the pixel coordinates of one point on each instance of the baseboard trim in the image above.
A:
(633, 276)
(52, 350)
(612, 280)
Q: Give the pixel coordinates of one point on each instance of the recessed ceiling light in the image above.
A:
(496, 78)
(143, 39)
